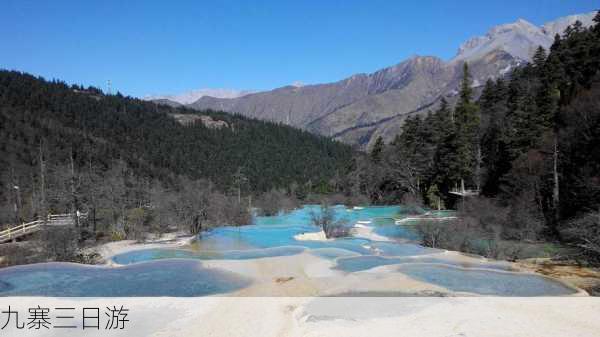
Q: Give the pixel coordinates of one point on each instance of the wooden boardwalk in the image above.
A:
(465, 193)
(53, 220)
(415, 221)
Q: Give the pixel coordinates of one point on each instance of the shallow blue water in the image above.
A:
(179, 272)
(276, 231)
(177, 278)
(161, 253)
(359, 263)
(391, 230)
(485, 282)
(333, 253)
(387, 226)
(274, 236)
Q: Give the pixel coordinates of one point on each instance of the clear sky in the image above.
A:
(151, 47)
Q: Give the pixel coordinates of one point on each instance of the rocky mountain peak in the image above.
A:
(558, 26)
(519, 39)
(362, 107)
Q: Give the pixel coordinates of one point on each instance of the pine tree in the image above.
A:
(596, 27)
(539, 60)
(487, 98)
(595, 49)
(496, 161)
(377, 150)
(546, 103)
(467, 130)
(443, 119)
(442, 166)
(466, 92)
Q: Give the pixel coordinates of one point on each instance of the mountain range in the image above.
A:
(358, 109)
(194, 95)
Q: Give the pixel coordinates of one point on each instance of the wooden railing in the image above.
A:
(415, 221)
(20, 230)
(17, 231)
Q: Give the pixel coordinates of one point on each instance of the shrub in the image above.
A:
(325, 219)
(412, 204)
(138, 219)
(60, 243)
(117, 235)
(524, 221)
(478, 230)
(20, 253)
(275, 201)
(584, 232)
(87, 258)
(238, 215)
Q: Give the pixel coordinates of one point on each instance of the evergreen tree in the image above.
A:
(466, 92)
(519, 127)
(377, 150)
(496, 160)
(596, 26)
(443, 170)
(539, 58)
(442, 122)
(467, 130)
(488, 96)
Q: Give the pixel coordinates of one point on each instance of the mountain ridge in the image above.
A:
(363, 106)
(194, 95)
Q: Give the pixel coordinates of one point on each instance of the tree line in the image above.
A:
(528, 143)
(134, 169)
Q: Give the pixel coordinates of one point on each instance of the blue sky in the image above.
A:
(151, 47)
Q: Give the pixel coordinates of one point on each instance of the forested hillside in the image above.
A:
(68, 147)
(270, 155)
(530, 144)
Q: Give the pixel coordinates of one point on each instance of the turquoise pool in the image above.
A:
(485, 282)
(175, 278)
(360, 263)
(179, 272)
(274, 236)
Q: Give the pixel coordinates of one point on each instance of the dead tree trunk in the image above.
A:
(555, 191)
(43, 210)
(478, 168)
(92, 196)
(74, 209)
